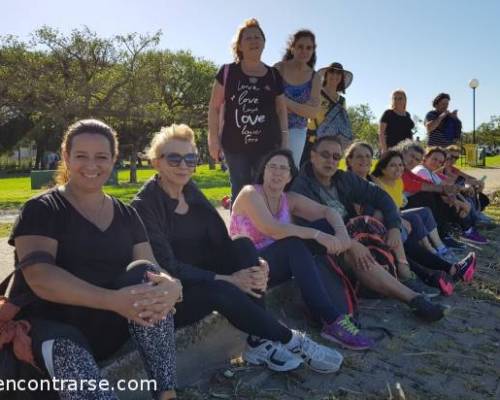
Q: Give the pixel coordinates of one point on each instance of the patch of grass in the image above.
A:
(5, 229)
(491, 162)
(15, 191)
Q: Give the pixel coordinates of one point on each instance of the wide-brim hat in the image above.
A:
(335, 66)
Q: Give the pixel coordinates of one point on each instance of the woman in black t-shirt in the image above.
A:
(396, 124)
(81, 254)
(247, 115)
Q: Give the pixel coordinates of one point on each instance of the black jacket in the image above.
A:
(156, 209)
(352, 190)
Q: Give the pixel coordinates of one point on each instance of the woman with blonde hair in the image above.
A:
(190, 239)
(396, 124)
(84, 260)
(247, 114)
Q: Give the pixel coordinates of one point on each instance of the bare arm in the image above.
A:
(432, 125)
(282, 112)
(52, 283)
(214, 107)
(312, 107)
(308, 209)
(250, 203)
(142, 303)
(381, 137)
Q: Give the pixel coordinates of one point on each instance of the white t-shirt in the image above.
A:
(427, 174)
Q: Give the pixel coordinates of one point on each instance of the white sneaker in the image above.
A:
(319, 358)
(272, 354)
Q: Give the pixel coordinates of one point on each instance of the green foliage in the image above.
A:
(124, 80)
(364, 125)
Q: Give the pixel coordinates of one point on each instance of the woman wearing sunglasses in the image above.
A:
(190, 240)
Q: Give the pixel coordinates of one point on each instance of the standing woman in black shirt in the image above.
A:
(249, 95)
(85, 258)
(396, 124)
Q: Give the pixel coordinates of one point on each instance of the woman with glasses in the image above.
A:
(302, 86)
(263, 212)
(460, 210)
(190, 240)
(396, 124)
(247, 114)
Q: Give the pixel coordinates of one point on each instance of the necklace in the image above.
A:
(274, 214)
(82, 210)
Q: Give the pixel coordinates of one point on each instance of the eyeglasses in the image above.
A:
(327, 155)
(175, 159)
(276, 167)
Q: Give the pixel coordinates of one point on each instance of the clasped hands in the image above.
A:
(149, 302)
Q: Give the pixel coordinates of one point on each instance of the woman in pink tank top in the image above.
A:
(263, 212)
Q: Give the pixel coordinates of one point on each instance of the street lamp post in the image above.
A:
(473, 84)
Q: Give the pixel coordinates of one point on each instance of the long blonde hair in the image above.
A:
(394, 94)
(80, 127)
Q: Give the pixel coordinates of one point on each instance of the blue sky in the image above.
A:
(424, 47)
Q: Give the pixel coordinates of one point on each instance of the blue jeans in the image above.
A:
(297, 141)
(243, 169)
(422, 222)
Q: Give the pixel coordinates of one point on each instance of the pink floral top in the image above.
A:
(241, 225)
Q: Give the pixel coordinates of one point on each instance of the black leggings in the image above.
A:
(424, 257)
(67, 342)
(246, 313)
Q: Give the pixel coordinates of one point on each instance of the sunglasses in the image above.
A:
(327, 155)
(175, 159)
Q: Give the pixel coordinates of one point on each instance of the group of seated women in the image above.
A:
(101, 271)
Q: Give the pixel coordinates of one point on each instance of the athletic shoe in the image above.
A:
(466, 268)
(451, 242)
(319, 358)
(420, 287)
(473, 236)
(448, 255)
(427, 310)
(272, 354)
(444, 282)
(344, 332)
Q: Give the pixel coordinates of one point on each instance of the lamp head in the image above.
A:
(474, 83)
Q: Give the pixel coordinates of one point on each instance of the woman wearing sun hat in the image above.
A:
(332, 119)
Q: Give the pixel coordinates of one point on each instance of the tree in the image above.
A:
(364, 126)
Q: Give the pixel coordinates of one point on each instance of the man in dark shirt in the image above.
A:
(443, 128)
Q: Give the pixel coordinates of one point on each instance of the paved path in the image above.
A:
(492, 177)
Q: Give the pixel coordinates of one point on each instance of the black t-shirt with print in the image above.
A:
(251, 123)
(398, 127)
(95, 256)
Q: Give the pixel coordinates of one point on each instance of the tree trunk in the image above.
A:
(133, 165)
(211, 163)
(40, 148)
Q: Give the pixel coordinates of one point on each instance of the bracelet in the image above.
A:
(285, 131)
(316, 235)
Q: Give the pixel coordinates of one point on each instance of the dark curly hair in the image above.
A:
(384, 160)
(440, 97)
(292, 41)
